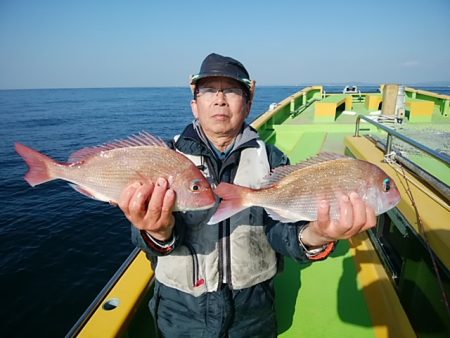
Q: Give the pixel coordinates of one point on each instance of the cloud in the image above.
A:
(410, 63)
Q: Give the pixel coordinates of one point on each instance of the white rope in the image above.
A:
(390, 159)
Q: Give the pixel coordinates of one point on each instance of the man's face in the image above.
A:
(219, 113)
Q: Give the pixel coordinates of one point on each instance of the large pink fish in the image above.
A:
(292, 193)
(102, 172)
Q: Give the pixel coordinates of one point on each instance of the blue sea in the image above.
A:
(58, 248)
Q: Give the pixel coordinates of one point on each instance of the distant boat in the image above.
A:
(351, 90)
(391, 281)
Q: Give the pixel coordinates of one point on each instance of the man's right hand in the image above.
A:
(149, 207)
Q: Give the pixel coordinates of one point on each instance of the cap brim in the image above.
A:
(197, 77)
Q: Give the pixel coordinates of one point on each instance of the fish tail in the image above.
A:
(39, 165)
(233, 201)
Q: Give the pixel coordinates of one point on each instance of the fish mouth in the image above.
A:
(394, 198)
(384, 205)
(206, 207)
(185, 209)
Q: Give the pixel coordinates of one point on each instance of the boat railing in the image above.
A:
(102, 294)
(441, 187)
(393, 133)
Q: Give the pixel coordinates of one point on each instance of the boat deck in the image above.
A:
(351, 293)
(326, 298)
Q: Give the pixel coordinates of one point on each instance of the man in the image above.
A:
(217, 280)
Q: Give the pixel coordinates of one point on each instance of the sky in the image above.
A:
(99, 43)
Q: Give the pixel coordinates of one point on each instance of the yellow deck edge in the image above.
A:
(129, 290)
(388, 317)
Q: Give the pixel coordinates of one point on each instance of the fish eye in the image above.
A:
(195, 186)
(386, 185)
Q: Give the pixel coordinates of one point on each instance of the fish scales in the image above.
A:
(322, 181)
(294, 193)
(129, 164)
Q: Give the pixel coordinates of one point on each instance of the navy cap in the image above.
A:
(224, 66)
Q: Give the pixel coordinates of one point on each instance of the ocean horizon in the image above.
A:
(335, 85)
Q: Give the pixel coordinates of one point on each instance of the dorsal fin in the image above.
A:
(279, 173)
(137, 140)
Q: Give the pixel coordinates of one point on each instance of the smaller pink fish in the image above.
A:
(103, 172)
(293, 193)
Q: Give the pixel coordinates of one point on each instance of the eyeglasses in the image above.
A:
(229, 93)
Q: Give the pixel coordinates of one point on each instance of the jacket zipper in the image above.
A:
(224, 229)
(196, 280)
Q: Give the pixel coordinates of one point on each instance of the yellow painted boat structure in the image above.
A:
(388, 282)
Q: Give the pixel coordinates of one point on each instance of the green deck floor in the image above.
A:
(330, 303)
(321, 299)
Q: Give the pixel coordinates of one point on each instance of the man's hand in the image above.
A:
(355, 217)
(149, 207)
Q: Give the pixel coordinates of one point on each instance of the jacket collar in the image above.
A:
(193, 141)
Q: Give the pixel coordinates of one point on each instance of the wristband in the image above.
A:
(162, 244)
(163, 247)
(319, 253)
